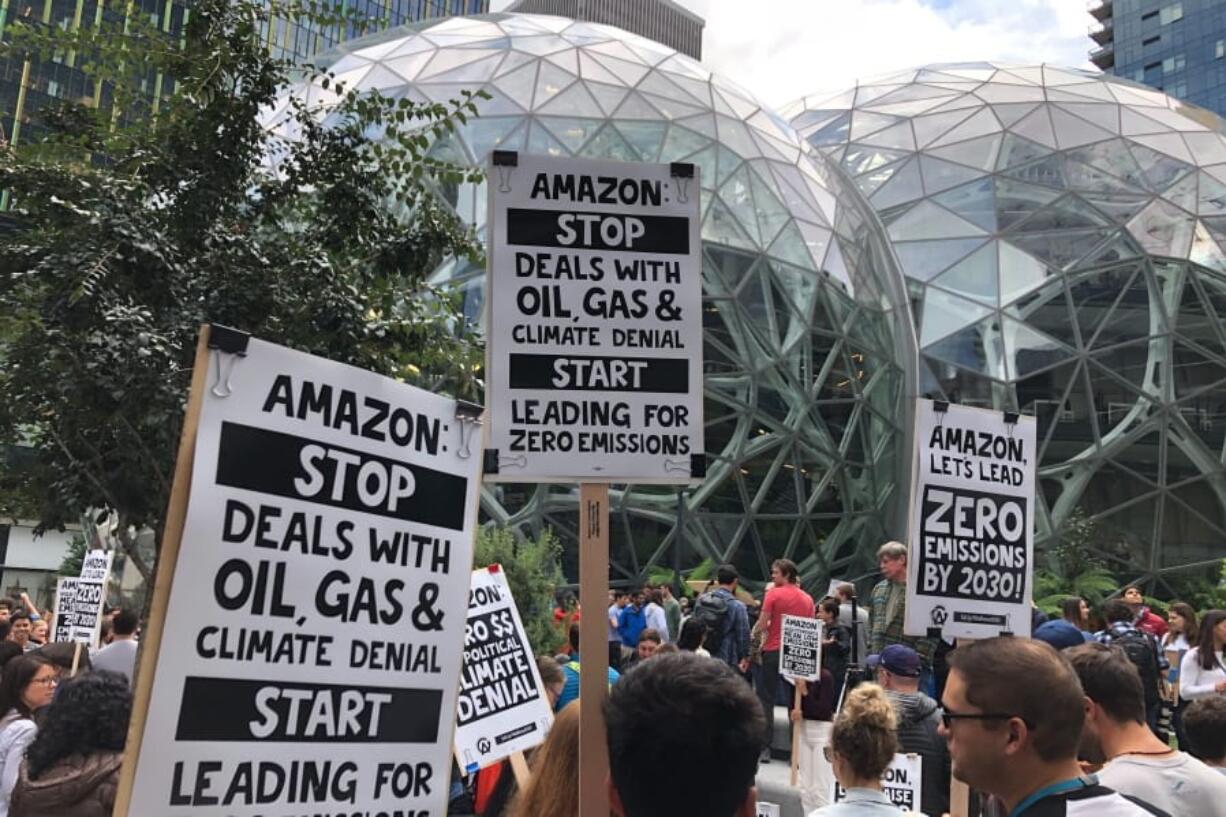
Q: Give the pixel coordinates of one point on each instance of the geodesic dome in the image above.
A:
(803, 379)
(1061, 235)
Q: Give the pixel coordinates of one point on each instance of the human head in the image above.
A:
(1212, 638)
(1204, 721)
(863, 741)
(105, 633)
(845, 591)
(727, 576)
(6, 609)
(666, 591)
(124, 623)
(27, 684)
(1117, 610)
(783, 571)
(828, 611)
(637, 598)
(553, 790)
(551, 678)
(690, 715)
(1132, 596)
(90, 714)
(1059, 633)
(8, 651)
(1113, 691)
(1076, 611)
(649, 639)
(898, 668)
(892, 559)
(62, 654)
(1182, 619)
(1033, 725)
(665, 649)
(38, 631)
(693, 632)
(19, 627)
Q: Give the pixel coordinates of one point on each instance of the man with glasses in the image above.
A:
(1013, 714)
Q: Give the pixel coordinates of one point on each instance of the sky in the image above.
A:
(784, 49)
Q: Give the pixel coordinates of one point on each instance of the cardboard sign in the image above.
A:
(800, 648)
(902, 782)
(84, 621)
(502, 708)
(311, 649)
(768, 809)
(595, 325)
(971, 566)
(65, 609)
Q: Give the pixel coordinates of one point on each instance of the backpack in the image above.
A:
(1140, 651)
(711, 609)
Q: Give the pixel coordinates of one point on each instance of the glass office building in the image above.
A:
(1176, 46)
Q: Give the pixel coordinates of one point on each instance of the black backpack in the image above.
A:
(711, 609)
(1141, 652)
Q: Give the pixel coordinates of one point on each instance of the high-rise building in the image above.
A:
(661, 20)
(1176, 46)
(27, 85)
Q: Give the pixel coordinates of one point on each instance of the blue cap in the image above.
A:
(1059, 633)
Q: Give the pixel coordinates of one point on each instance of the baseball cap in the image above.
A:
(898, 660)
(1059, 633)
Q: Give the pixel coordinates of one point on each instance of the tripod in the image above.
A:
(853, 674)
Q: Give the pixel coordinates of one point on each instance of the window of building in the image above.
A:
(1139, 75)
(1170, 65)
(1151, 15)
(1179, 89)
(1150, 40)
(1171, 13)
(1219, 49)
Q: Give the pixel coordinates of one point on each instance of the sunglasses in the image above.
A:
(948, 717)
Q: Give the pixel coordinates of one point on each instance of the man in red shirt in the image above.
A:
(785, 598)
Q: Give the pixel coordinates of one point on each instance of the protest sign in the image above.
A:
(65, 609)
(594, 326)
(800, 648)
(901, 782)
(82, 620)
(768, 809)
(309, 652)
(972, 522)
(502, 708)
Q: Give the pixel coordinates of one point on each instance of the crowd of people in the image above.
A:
(1116, 711)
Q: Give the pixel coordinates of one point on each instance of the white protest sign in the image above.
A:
(89, 600)
(901, 782)
(502, 708)
(800, 648)
(768, 809)
(65, 609)
(594, 351)
(311, 651)
(972, 523)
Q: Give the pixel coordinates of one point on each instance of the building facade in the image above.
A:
(1176, 46)
(664, 21)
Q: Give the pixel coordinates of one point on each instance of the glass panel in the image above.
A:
(978, 349)
(926, 220)
(1036, 127)
(976, 202)
(974, 276)
(924, 260)
(1163, 229)
(941, 175)
(904, 185)
(1072, 131)
(575, 101)
(944, 314)
(980, 153)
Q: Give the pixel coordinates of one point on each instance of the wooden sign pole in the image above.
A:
(796, 727)
(593, 647)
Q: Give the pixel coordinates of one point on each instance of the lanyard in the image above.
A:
(1055, 788)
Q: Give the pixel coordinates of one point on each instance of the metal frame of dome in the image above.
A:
(808, 344)
(1062, 237)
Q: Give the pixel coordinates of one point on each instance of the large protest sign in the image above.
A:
(310, 653)
(972, 522)
(901, 782)
(80, 602)
(502, 708)
(65, 609)
(800, 648)
(594, 325)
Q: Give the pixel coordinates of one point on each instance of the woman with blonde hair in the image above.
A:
(862, 744)
(554, 788)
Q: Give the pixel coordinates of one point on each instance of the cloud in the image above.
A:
(784, 49)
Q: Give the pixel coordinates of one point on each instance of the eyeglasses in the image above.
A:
(48, 682)
(948, 717)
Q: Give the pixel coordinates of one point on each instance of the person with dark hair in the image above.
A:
(856, 624)
(836, 642)
(120, 655)
(19, 629)
(630, 624)
(26, 686)
(693, 633)
(784, 598)
(1142, 649)
(1013, 711)
(72, 767)
(1076, 611)
(653, 613)
(889, 611)
(1115, 732)
(1205, 722)
(672, 611)
(9, 651)
(862, 745)
(6, 608)
(689, 717)
(63, 653)
(1143, 618)
(649, 641)
(1180, 636)
(617, 601)
(726, 620)
(570, 672)
(1203, 671)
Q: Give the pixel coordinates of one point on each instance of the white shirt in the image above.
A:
(15, 737)
(118, 656)
(1195, 681)
(656, 618)
(1179, 784)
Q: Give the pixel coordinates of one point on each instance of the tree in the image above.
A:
(1072, 569)
(534, 572)
(138, 223)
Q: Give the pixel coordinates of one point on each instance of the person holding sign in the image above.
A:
(862, 744)
(785, 598)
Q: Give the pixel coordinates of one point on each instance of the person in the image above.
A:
(63, 654)
(672, 611)
(630, 624)
(1142, 649)
(654, 614)
(6, 608)
(553, 789)
(1138, 762)
(38, 633)
(726, 619)
(494, 786)
(693, 634)
(1205, 722)
(919, 722)
(1181, 631)
(814, 718)
(862, 745)
(72, 766)
(617, 600)
(26, 686)
(1060, 633)
(693, 720)
(858, 626)
(1203, 670)
(19, 629)
(649, 641)
(552, 678)
(9, 651)
(120, 655)
(784, 598)
(571, 670)
(836, 642)
(1143, 618)
(1076, 611)
(1012, 715)
(889, 610)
